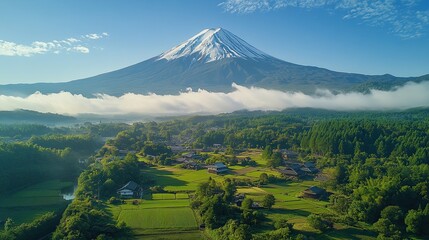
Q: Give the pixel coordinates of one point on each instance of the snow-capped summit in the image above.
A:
(213, 60)
(214, 44)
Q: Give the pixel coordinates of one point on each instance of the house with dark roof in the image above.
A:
(130, 190)
(314, 192)
(191, 165)
(288, 154)
(290, 172)
(217, 168)
(309, 167)
(298, 169)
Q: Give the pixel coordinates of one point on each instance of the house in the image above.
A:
(238, 199)
(309, 167)
(255, 205)
(217, 168)
(309, 164)
(314, 192)
(188, 155)
(130, 190)
(295, 166)
(177, 148)
(181, 160)
(288, 154)
(291, 172)
(191, 165)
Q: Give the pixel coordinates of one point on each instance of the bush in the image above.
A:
(268, 201)
(247, 203)
(319, 223)
(157, 189)
(114, 200)
(414, 221)
(281, 233)
(282, 223)
(263, 179)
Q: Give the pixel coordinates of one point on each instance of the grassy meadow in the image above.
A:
(33, 201)
(159, 218)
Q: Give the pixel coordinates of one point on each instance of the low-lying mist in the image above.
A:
(204, 102)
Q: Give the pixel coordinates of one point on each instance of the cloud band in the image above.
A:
(402, 17)
(204, 102)
(79, 45)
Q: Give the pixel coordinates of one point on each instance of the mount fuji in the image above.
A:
(213, 60)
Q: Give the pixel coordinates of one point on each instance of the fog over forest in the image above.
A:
(204, 102)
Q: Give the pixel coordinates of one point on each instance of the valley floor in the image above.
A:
(168, 215)
(33, 201)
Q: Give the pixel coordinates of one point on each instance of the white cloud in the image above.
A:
(401, 17)
(73, 40)
(204, 102)
(95, 36)
(55, 46)
(13, 49)
(81, 49)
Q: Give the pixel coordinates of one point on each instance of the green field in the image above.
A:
(177, 179)
(33, 201)
(182, 196)
(163, 196)
(188, 235)
(152, 217)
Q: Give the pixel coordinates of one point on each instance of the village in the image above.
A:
(194, 159)
(295, 184)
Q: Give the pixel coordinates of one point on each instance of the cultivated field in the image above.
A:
(33, 201)
(163, 196)
(153, 218)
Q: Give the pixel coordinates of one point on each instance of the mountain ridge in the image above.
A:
(213, 44)
(213, 59)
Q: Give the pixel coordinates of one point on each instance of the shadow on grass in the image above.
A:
(297, 212)
(346, 233)
(163, 177)
(351, 233)
(278, 184)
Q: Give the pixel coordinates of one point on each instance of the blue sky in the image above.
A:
(53, 41)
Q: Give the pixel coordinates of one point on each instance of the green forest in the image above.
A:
(374, 168)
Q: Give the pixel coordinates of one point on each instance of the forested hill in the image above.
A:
(27, 116)
(377, 162)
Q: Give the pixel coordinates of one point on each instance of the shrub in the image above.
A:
(319, 223)
(157, 189)
(114, 200)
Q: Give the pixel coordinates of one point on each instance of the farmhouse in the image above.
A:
(291, 172)
(239, 199)
(288, 154)
(177, 148)
(191, 165)
(309, 167)
(314, 192)
(217, 168)
(296, 169)
(129, 190)
(191, 155)
(181, 160)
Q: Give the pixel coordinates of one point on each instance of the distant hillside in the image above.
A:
(27, 116)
